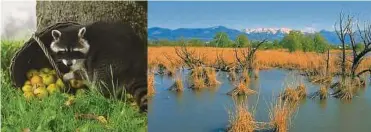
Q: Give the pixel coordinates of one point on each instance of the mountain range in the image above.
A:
(207, 34)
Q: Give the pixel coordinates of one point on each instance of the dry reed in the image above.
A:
(211, 77)
(323, 92)
(241, 89)
(280, 116)
(301, 91)
(242, 120)
(282, 58)
(179, 84)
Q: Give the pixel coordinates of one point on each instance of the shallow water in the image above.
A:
(207, 110)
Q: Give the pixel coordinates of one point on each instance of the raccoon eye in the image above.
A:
(61, 52)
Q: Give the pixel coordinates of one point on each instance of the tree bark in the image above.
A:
(85, 12)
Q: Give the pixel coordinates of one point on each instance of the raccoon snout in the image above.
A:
(68, 62)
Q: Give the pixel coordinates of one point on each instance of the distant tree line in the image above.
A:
(294, 41)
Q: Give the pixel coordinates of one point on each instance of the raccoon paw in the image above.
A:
(68, 76)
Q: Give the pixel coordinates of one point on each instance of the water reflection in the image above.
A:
(207, 109)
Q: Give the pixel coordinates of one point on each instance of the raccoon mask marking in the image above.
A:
(70, 48)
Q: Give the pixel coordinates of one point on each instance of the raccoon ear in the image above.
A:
(56, 34)
(82, 32)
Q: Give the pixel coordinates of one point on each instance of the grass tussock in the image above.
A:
(280, 116)
(242, 120)
(241, 89)
(198, 78)
(204, 77)
(245, 76)
(256, 71)
(323, 92)
(346, 93)
(302, 91)
(232, 75)
(178, 84)
(320, 79)
(198, 83)
(171, 70)
(294, 94)
(211, 77)
(346, 89)
(290, 94)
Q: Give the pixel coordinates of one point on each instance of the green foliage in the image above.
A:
(164, 42)
(8, 49)
(360, 47)
(242, 41)
(195, 42)
(292, 41)
(276, 44)
(320, 43)
(221, 39)
(50, 114)
(307, 43)
(296, 41)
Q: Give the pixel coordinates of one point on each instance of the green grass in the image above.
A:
(50, 114)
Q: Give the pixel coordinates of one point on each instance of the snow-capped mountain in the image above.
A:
(267, 30)
(207, 34)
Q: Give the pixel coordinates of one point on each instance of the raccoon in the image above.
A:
(111, 53)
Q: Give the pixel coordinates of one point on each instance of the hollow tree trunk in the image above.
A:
(85, 12)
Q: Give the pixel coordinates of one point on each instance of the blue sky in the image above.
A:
(239, 15)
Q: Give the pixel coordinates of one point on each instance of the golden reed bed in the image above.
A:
(264, 58)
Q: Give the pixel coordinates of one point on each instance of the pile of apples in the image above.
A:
(43, 82)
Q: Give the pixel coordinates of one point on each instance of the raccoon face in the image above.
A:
(70, 47)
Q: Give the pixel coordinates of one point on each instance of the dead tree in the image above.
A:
(189, 57)
(342, 34)
(347, 30)
(248, 55)
(328, 62)
(221, 64)
(359, 56)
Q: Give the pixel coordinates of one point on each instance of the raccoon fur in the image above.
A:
(111, 54)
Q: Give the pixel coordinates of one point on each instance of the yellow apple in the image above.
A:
(36, 80)
(39, 85)
(53, 72)
(41, 92)
(31, 73)
(101, 119)
(45, 70)
(76, 83)
(27, 82)
(60, 83)
(28, 95)
(42, 75)
(48, 79)
(27, 88)
(52, 88)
